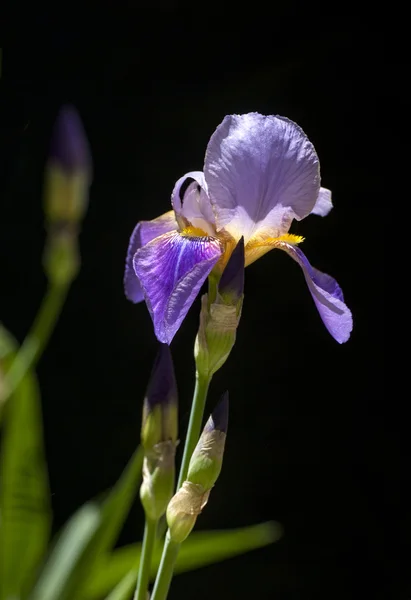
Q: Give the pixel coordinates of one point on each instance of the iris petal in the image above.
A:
(143, 233)
(195, 207)
(261, 172)
(323, 204)
(327, 295)
(171, 270)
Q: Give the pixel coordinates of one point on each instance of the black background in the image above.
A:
(309, 442)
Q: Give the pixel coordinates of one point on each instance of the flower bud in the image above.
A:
(158, 479)
(61, 258)
(204, 469)
(207, 459)
(219, 319)
(231, 286)
(68, 170)
(67, 182)
(183, 510)
(159, 436)
(160, 410)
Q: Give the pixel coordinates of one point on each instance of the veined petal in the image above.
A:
(261, 172)
(323, 204)
(195, 206)
(143, 233)
(327, 295)
(171, 270)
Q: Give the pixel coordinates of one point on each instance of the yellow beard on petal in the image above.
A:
(191, 231)
(258, 245)
(227, 243)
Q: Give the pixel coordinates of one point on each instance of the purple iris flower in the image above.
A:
(260, 173)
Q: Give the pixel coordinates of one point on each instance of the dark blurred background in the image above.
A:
(310, 442)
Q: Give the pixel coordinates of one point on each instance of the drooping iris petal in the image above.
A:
(323, 204)
(171, 270)
(143, 233)
(195, 205)
(261, 172)
(327, 295)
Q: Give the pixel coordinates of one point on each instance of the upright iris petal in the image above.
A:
(261, 173)
(171, 269)
(194, 207)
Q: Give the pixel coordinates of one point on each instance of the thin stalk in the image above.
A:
(194, 425)
(143, 579)
(171, 549)
(38, 336)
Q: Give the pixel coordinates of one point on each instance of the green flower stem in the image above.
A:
(166, 569)
(150, 530)
(194, 425)
(212, 289)
(37, 338)
(171, 549)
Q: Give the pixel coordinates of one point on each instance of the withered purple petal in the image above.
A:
(69, 146)
(171, 270)
(143, 233)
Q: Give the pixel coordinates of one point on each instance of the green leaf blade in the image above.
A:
(199, 550)
(76, 536)
(25, 511)
(103, 530)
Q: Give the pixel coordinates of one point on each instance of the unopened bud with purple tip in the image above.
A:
(160, 419)
(218, 420)
(207, 459)
(159, 436)
(66, 190)
(219, 319)
(204, 469)
(231, 285)
(69, 148)
(68, 170)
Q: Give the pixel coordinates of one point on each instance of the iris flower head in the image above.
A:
(260, 173)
